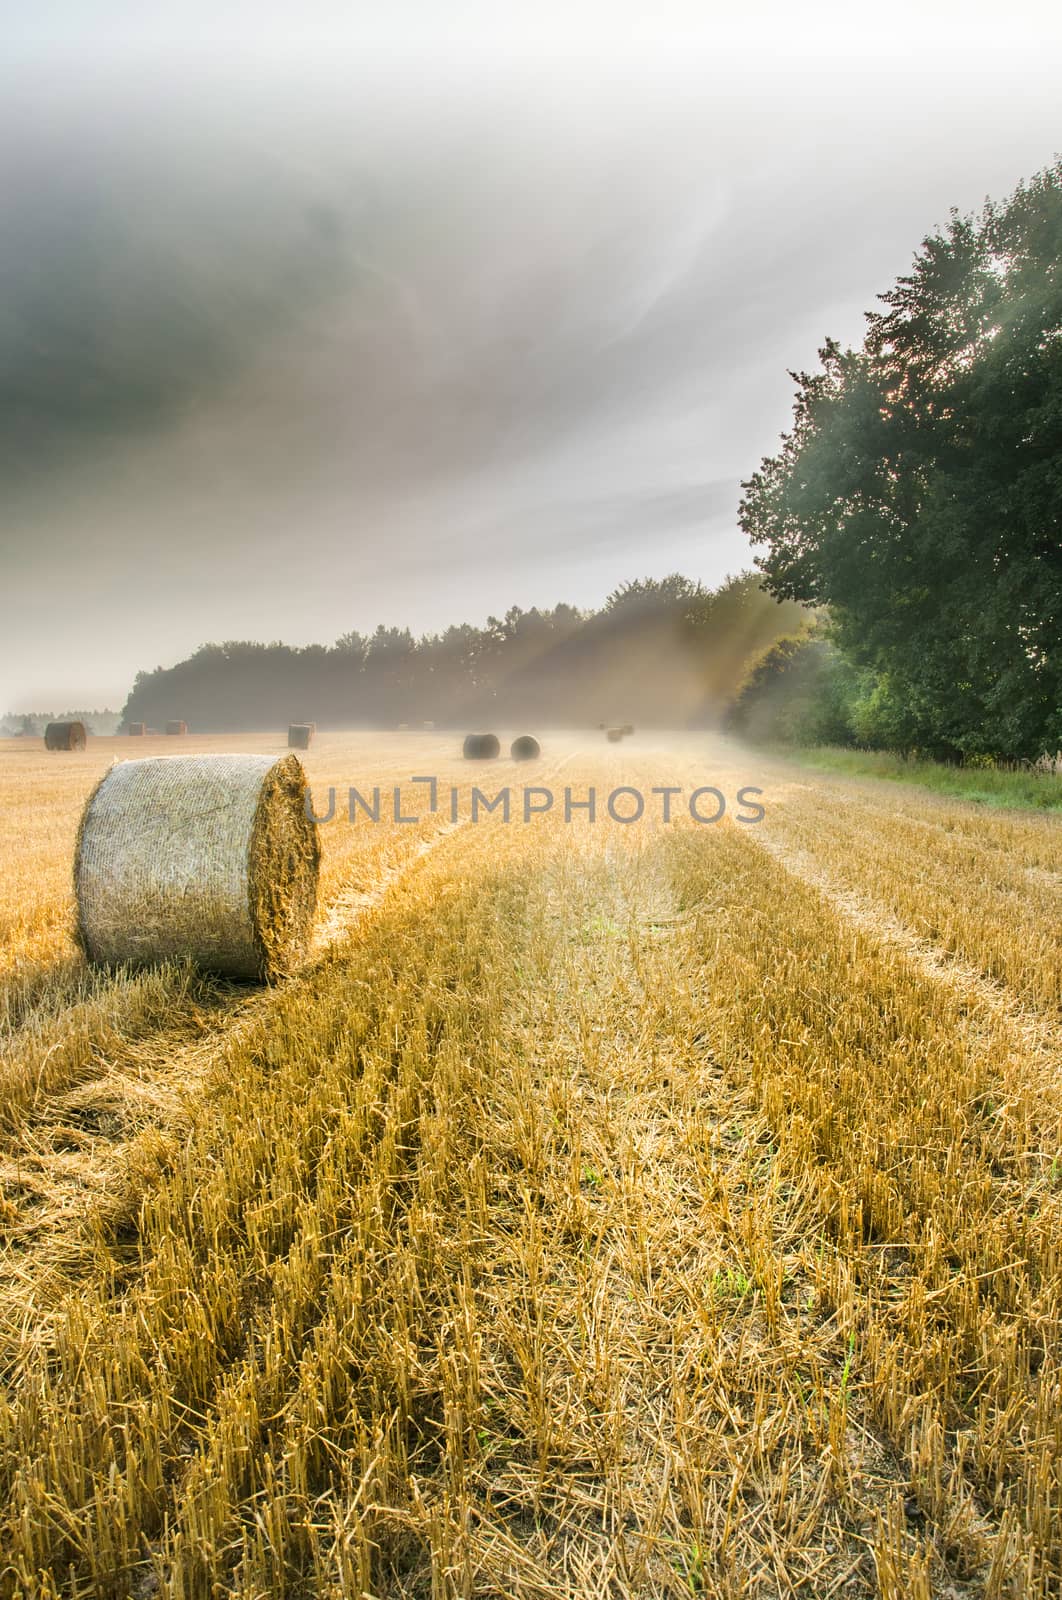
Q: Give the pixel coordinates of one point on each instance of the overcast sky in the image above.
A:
(304, 329)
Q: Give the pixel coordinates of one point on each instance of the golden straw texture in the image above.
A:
(208, 858)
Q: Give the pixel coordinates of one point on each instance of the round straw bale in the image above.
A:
(136, 730)
(177, 727)
(211, 859)
(300, 734)
(614, 735)
(65, 736)
(525, 748)
(481, 746)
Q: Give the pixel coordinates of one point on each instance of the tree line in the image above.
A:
(666, 652)
(31, 724)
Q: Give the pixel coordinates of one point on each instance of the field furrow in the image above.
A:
(932, 1153)
(1032, 1035)
(985, 889)
(93, 1065)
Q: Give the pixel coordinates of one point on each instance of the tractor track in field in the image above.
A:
(615, 1102)
(138, 1058)
(1035, 1033)
(77, 1154)
(354, 902)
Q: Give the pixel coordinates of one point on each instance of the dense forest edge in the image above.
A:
(660, 652)
(917, 501)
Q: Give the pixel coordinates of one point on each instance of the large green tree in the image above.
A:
(919, 491)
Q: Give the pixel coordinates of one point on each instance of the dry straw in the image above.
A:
(300, 734)
(525, 748)
(210, 859)
(65, 736)
(481, 746)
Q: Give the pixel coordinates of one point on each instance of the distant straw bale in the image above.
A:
(209, 859)
(177, 726)
(136, 730)
(481, 746)
(614, 735)
(525, 748)
(300, 734)
(628, 727)
(427, 726)
(65, 736)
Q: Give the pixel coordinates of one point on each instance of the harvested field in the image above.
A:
(603, 1208)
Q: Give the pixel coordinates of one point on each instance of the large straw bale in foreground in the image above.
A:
(204, 858)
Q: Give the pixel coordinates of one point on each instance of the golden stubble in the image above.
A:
(600, 1210)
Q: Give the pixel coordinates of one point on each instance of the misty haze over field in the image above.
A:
(303, 331)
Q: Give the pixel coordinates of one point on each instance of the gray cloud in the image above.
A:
(298, 334)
